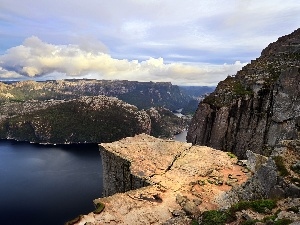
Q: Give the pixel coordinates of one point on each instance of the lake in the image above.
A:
(181, 137)
(47, 184)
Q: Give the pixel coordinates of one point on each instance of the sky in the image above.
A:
(186, 42)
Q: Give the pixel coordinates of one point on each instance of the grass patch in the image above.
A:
(231, 155)
(280, 166)
(259, 206)
(214, 217)
(99, 208)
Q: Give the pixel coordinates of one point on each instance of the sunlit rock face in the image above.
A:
(155, 181)
(256, 108)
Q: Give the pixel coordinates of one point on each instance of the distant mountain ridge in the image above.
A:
(141, 94)
(144, 95)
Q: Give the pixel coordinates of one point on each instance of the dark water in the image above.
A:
(47, 185)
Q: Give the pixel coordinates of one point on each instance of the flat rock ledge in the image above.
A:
(163, 182)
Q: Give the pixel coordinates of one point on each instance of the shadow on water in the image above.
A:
(43, 184)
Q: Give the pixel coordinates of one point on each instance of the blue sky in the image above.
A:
(187, 42)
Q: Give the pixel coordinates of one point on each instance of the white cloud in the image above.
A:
(35, 58)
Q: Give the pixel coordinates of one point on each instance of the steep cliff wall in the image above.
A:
(258, 107)
(117, 177)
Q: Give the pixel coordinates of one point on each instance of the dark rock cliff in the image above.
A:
(256, 108)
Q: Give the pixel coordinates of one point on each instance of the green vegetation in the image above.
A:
(282, 222)
(274, 74)
(227, 90)
(231, 155)
(219, 217)
(280, 166)
(214, 217)
(99, 208)
(214, 101)
(259, 206)
(240, 90)
(75, 122)
(194, 222)
(73, 221)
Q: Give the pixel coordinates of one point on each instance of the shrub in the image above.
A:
(259, 206)
(194, 222)
(99, 208)
(214, 217)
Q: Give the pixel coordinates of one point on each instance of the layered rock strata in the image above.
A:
(258, 107)
(183, 180)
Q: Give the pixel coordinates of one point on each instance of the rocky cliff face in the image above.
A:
(258, 107)
(181, 181)
(152, 181)
(85, 120)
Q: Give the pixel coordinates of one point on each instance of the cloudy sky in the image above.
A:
(187, 42)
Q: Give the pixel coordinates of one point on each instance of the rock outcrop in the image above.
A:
(94, 119)
(258, 107)
(180, 180)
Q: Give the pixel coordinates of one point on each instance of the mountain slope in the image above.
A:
(258, 107)
(85, 120)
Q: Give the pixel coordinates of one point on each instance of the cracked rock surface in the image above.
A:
(177, 176)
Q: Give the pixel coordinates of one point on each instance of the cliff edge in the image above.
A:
(258, 107)
(154, 181)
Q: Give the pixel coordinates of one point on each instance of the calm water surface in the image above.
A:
(181, 137)
(47, 185)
